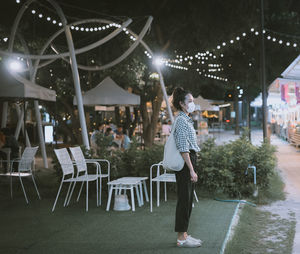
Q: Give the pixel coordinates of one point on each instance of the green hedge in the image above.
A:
(222, 168)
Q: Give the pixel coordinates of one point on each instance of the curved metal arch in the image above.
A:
(77, 51)
(72, 59)
(120, 58)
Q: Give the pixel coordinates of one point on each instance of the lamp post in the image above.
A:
(263, 73)
(158, 62)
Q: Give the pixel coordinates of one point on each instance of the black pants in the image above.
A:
(185, 194)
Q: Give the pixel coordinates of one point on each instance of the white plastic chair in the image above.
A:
(81, 163)
(165, 177)
(67, 167)
(25, 164)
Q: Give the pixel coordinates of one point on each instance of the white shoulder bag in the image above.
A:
(172, 157)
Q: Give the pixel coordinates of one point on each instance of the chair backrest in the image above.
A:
(64, 161)
(27, 158)
(79, 158)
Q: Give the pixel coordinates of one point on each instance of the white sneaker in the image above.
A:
(194, 239)
(188, 243)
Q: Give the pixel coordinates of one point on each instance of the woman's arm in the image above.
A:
(187, 160)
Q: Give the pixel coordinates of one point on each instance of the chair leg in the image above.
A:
(165, 185)
(79, 192)
(11, 191)
(100, 191)
(138, 195)
(23, 188)
(109, 197)
(10, 172)
(70, 196)
(66, 199)
(59, 189)
(87, 196)
(97, 194)
(196, 197)
(132, 199)
(141, 193)
(37, 191)
(150, 195)
(145, 190)
(158, 192)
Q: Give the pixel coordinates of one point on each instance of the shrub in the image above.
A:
(222, 168)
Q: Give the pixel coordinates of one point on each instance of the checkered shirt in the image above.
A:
(184, 134)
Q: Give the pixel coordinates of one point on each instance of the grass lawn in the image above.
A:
(260, 231)
(34, 228)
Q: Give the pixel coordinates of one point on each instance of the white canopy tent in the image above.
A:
(110, 94)
(293, 70)
(201, 104)
(17, 87)
(274, 93)
(204, 105)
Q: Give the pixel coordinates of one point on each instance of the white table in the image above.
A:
(128, 183)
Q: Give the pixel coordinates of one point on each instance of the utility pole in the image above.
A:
(237, 111)
(263, 73)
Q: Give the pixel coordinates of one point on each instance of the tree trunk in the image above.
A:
(117, 115)
(150, 122)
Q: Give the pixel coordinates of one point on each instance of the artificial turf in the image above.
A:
(34, 228)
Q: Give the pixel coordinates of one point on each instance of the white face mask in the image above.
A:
(191, 107)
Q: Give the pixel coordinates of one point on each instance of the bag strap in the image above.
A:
(173, 126)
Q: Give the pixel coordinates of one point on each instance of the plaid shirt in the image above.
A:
(184, 134)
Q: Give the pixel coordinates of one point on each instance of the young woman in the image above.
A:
(186, 142)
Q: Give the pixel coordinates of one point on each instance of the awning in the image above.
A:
(108, 93)
(13, 86)
(293, 70)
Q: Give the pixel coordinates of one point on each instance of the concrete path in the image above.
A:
(289, 164)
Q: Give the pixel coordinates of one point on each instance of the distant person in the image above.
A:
(119, 136)
(12, 143)
(126, 139)
(2, 143)
(166, 128)
(100, 130)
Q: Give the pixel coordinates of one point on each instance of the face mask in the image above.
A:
(191, 107)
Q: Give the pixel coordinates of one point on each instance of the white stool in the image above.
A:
(142, 182)
(124, 184)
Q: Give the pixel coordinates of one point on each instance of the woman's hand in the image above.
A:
(194, 176)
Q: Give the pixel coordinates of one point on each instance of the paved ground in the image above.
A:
(289, 164)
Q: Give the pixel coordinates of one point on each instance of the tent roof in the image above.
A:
(16, 87)
(201, 104)
(293, 70)
(274, 92)
(108, 93)
(204, 104)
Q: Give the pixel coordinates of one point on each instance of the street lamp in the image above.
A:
(15, 66)
(158, 62)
